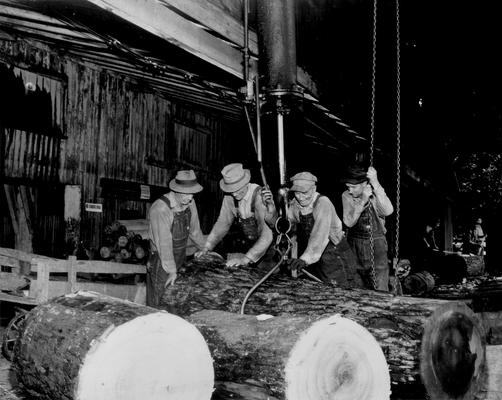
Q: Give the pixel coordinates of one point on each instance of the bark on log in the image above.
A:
(88, 346)
(397, 323)
(296, 357)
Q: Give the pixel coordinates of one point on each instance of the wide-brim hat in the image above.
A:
(355, 175)
(235, 177)
(185, 182)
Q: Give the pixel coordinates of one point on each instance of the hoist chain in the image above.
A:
(373, 84)
(398, 145)
(372, 135)
(372, 254)
(398, 127)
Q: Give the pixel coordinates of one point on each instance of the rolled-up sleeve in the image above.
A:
(383, 204)
(261, 246)
(223, 223)
(319, 237)
(196, 234)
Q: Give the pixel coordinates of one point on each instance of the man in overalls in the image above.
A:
(322, 249)
(365, 206)
(173, 219)
(243, 204)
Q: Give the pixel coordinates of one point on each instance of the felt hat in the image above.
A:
(303, 182)
(185, 182)
(354, 175)
(234, 177)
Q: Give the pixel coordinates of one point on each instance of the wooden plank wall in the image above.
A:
(113, 126)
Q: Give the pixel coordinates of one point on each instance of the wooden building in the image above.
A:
(102, 101)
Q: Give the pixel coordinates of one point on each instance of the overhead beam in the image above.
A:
(213, 16)
(220, 16)
(161, 21)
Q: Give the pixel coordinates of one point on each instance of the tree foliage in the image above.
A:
(479, 177)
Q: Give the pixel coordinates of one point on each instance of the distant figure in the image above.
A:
(429, 238)
(477, 238)
(429, 254)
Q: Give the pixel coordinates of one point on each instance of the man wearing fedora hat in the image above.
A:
(322, 249)
(242, 204)
(365, 206)
(173, 220)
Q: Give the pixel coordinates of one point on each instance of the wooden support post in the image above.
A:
(72, 274)
(42, 290)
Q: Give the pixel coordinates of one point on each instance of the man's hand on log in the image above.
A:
(201, 253)
(171, 278)
(296, 264)
(234, 262)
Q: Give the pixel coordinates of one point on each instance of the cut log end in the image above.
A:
(453, 353)
(157, 356)
(337, 358)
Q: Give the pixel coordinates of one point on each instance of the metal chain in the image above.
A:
(373, 84)
(398, 144)
(372, 252)
(372, 136)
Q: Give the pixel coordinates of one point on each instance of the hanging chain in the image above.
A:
(373, 84)
(372, 137)
(398, 146)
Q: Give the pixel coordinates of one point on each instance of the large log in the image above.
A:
(296, 357)
(396, 322)
(88, 346)
(211, 285)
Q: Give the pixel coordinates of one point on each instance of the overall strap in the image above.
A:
(253, 198)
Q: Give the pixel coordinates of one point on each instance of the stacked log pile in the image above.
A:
(397, 323)
(89, 346)
(123, 246)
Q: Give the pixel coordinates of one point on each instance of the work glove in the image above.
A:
(297, 264)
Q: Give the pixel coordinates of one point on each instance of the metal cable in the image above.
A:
(267, 275)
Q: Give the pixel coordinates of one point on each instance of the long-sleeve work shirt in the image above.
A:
(161, 218)
(327, 225)
(228, 213)
(353, 207)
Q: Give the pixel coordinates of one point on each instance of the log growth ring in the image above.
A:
(337, 358)
(453, 353)
(156, 356)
